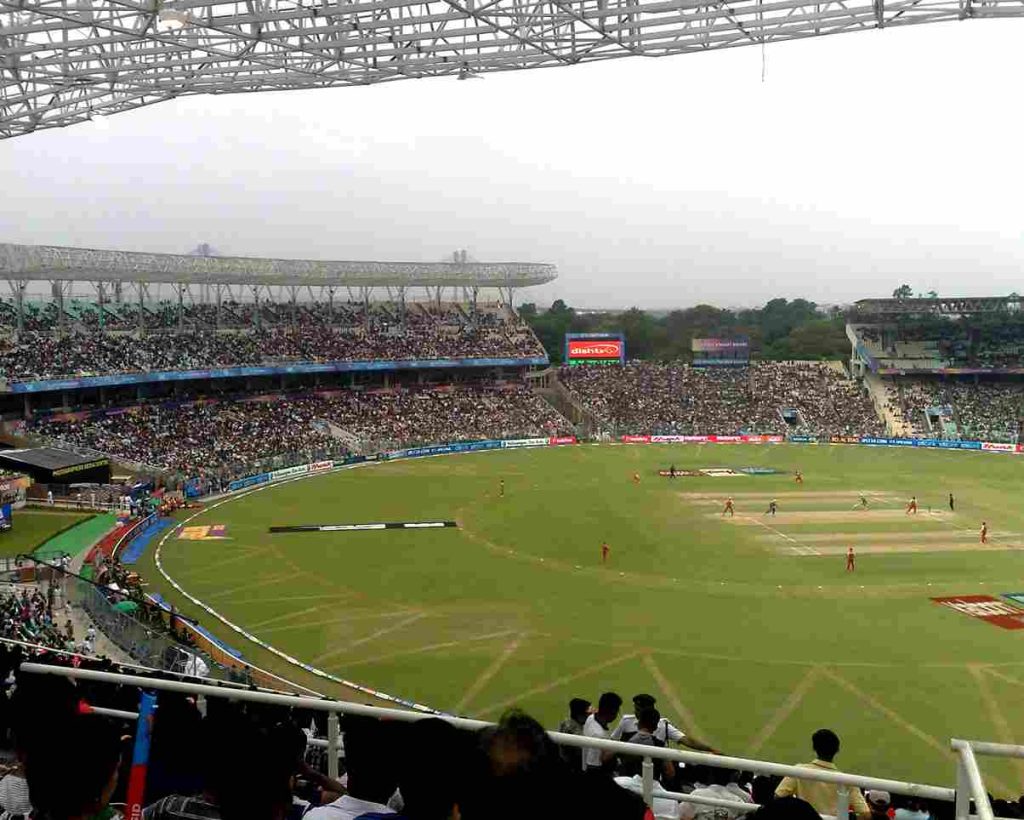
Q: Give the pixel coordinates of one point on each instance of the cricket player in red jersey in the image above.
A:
(851, 560)
(984, 532)
(728, 507)
(912, 505)
(605, 549)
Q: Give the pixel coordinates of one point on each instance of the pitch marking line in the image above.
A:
(798, 548)
(685, 715)
(485, 677)
(348, 647)
(422, 650)
(787, 708)
(554, 684)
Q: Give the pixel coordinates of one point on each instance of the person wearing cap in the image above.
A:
(579, 709)
(821, 795)
(665, 731)
(878, 802)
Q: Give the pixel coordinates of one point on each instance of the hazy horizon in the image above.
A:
(863, 162)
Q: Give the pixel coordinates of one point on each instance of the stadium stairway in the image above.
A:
(546, 385)
(894, 422)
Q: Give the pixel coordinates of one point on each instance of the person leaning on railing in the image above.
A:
(823, 796)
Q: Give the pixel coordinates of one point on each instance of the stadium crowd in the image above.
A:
(766, 397)
(228, 437)
(982, 410)
(36, 355)
(232, 760)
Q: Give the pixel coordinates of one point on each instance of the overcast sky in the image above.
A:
(862, 161)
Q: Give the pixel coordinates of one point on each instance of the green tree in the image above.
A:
(904, 291)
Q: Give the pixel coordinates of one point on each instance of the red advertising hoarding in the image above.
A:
(595, 349)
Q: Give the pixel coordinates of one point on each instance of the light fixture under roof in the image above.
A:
(171, 19)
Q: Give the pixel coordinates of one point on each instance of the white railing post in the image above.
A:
(332, 745)
(962, 806)
(973, 787)
(842, 803)
(647, 774)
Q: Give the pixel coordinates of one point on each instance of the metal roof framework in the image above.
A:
(66, 61)
(50, 263)
(951, 306)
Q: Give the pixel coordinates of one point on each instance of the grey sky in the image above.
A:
(863, 161)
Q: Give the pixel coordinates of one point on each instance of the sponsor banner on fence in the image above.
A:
(525, 442)
(636, 439)
(840, 439)
(320, 466)
(805, 439)
(440, 449)
(555, 440)
(998, 448)
(249, 481)
(288, 472)
(986, 608)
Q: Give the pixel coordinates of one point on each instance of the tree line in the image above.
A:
(781, 329)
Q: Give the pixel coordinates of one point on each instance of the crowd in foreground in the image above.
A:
(36, 356)
(227, 438)
(766, 397)
(243, 761)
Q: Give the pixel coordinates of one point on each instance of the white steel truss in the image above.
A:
(25, 263)
(65, 61)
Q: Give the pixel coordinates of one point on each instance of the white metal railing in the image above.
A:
(843, 780)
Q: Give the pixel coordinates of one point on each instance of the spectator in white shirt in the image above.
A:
(598, 725)
(723, 786)
(372, 777)
(665, 732)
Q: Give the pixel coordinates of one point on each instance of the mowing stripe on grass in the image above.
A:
(687, 717)
(422, 650)
(547, 687)
(386, 630)
(788, 706)
(995, 714)
(485, 677)
(340, 619)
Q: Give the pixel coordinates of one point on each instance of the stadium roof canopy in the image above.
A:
(65, 61)
(48, 263)
(954, 306)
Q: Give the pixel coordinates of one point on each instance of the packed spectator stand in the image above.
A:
(643, 398)
(313, 334)
(226, 438)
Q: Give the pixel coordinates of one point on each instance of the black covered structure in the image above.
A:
(50, 465)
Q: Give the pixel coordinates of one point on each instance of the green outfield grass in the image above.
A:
(743, 640)
(33, 527)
